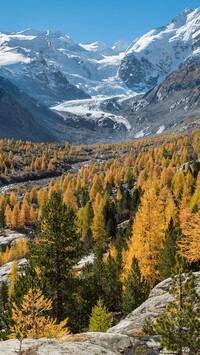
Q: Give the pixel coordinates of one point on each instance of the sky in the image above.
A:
(91, 20)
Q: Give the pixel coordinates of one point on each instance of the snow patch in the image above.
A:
(8, 58)
(140, 134)
(90, 110)
(161, 129)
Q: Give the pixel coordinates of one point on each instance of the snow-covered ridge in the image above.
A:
(30, 57)
(150, 58)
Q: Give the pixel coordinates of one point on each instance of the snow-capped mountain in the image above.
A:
(94, 90)
(152, 57)
(51, 67)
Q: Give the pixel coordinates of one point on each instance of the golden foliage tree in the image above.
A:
(8, 213)
(12, 278)
(96, 187)
(190, 242)
(31, 319)
(98, 225)
(69, 199)
(195, 200)
(85, 216)
(147, 237)
(167, 205)
(15, 217)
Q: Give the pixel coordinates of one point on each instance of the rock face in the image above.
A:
(122, 339)
(153, 307)
(23, 117)
(84, 344)
(152, 57)
(173, 105)
(8, 237)
(5, 269)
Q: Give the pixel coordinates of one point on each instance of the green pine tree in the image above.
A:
(179, 327)
(167, 257)
(55, 253)
(111, 285)
(136, 289)
(5, 312)
(110, 219)
(101, 319)
(88, 296)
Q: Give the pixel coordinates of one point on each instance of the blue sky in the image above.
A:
(91, 20)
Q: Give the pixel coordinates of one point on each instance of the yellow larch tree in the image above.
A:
(96, 187)
(178, 183)
(190, 242)
(84, 216)
(98, 224)
(15, 217)
(13, 199)
(147, 237)
(187, 190)
(42, 197)
(167, 205)
(8, 214)
(195, 200)
(69, 199)
(25, 215)
(31, 319)
(12, 278)
(166, 175)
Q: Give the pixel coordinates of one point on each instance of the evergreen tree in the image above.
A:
(87, 297)
(111, 285)
(55, 252)
(179, 326)
(136, 289)
(101, 319)
(167, 257)
(29, 278)
(97, 268)
(85, 216)
(110, 219)
(5, 312)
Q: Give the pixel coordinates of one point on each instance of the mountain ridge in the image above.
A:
(90, 88)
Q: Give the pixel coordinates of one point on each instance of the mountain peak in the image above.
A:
(120, 45)
(29, 32)
(180, 19)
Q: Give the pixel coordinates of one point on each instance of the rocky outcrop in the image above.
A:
(5, 269)
(124, 338)
(153, 307)
(23, 117)
(8, 237)
(84, 344)
(171, 106)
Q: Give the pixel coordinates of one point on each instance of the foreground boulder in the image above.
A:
(84, 344)
(124, 338)
(153, 307)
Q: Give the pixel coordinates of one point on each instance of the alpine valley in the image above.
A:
(53, 89)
